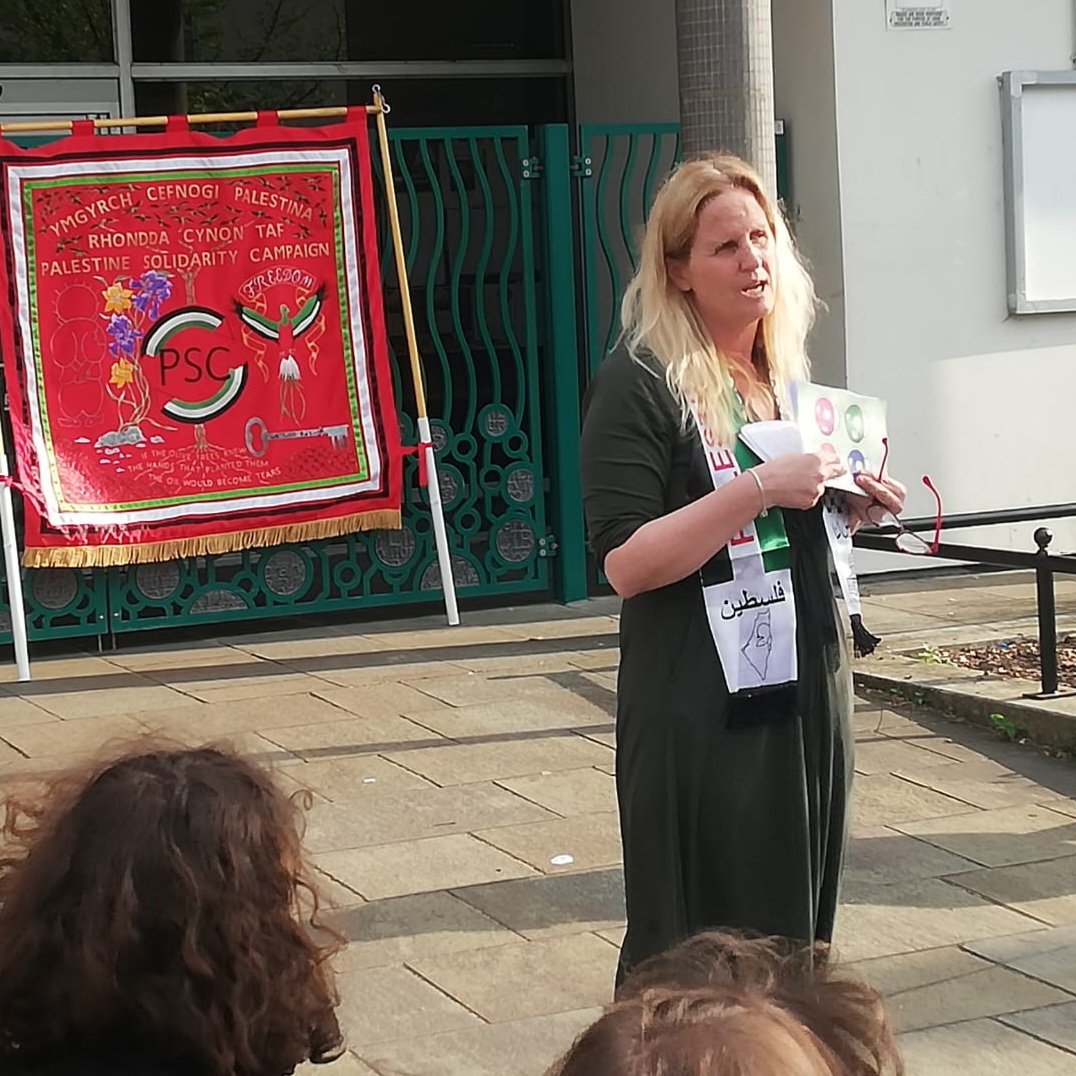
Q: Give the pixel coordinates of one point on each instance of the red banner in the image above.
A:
(195, 349)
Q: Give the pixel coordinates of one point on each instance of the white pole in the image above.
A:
(14, 574)
(437, 511)
(440, 533)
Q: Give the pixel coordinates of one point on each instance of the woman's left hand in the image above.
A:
(887, 494)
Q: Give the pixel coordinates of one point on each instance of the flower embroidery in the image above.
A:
(123, 336)
(151, 291)
(122, 373)
(117, 299)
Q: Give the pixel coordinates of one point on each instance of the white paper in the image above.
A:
(769, 440)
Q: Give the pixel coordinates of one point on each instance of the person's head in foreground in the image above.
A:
(726, 1005)
(151, 920)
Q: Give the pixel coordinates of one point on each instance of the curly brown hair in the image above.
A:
(162, 898)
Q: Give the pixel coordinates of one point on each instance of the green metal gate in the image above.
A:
(468, 216)
(620, 166)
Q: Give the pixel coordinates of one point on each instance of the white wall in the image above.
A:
(804, 89)
(984, 402)
(624, 58)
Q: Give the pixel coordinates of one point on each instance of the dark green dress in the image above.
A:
(724, 825)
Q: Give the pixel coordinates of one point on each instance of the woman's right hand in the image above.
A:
(798, 480)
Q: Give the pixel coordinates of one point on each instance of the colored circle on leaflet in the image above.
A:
(854, 424)
(857, 462)
(825, 416)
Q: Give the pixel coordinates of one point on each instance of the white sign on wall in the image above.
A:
(918, 14)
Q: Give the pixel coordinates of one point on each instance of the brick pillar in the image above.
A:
(726, 80)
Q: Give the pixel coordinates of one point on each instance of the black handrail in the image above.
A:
(989, 519)
(1042, 562)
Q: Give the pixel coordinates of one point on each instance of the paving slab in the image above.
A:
(465, 635)
(382, 1004)
(420, 866)
(559, 629)
(948, 985)
(570, 792)
(878, 854)
(399, 930)
(15, 712)
(414, 814)
(1055, 1024)
(985, 1048)
(350, 736)
(79, 698)
(356, 780)
(881, 920)
(566, 711)
(1001, 837)
(883, 755)
(884, 800)
(334, 897)
(348, 1065)
(982, 783)
(1045, 890)
(521, 1048)
(373, 670)
(450, 763)
(72, 738)
(80, 665)
(533, 978)
(185, 660)
(552, 905)
(388, 698)
(1048, 954)
(590, 840)
(198, 720)
(287, 647)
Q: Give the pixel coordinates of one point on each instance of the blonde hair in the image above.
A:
(661, 320)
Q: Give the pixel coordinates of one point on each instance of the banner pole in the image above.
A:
(195, 118)
(437, 511)
(13, 573)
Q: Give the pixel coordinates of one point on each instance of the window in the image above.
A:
(55, 31)
(416, 102)
(267, 31)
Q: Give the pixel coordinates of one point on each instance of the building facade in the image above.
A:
(528, 140)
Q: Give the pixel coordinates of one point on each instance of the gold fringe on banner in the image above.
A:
(114, 556)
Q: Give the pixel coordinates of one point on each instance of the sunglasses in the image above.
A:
(906, 540)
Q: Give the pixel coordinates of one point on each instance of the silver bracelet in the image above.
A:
(761, 489)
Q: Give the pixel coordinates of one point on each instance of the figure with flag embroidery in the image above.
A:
(284, 332)
(734, 698)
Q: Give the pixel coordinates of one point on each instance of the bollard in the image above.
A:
(1044, 585)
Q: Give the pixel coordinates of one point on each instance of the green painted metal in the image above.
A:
(60, 603)
(621, 166)
(561, 363)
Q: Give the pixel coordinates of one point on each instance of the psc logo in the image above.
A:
(195, 364)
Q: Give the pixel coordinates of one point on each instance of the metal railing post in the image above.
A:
(1047, 612)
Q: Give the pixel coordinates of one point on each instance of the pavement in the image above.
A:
(463, 821)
